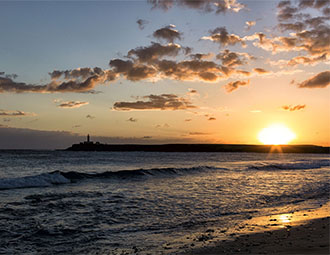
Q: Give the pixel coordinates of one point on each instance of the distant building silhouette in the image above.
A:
(88, 141)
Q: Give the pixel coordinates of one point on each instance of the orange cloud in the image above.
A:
(221, 36)
(231, 86)
(293, 108)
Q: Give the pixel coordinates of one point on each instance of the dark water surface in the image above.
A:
(56, 202)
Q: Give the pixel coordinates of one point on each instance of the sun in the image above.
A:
(276, 134)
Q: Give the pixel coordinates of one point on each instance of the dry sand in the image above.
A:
(302, 232)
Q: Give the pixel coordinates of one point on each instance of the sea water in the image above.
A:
(61, 202)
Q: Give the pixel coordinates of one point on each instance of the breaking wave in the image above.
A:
(42, 180)
(58, 177)
(291, 166)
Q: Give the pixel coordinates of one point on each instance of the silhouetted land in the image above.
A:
(90, 146)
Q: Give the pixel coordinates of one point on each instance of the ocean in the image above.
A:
(61, 202)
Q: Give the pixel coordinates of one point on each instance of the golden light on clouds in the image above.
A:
(276, 134)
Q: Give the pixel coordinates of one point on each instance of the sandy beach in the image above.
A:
(299, 232)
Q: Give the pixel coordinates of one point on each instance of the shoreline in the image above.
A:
(298, 232)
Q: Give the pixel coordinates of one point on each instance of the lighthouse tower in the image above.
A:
(88, 138)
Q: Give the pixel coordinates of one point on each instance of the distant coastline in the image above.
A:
(91, 146)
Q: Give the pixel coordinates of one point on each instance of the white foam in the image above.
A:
(42, 180)
(314, 164)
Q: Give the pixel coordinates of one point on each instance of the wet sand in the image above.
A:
(302, 232)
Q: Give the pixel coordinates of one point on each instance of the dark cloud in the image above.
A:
(211, 118)
(231, 86)
(315, 41)
(207, 71)
(77, 80)
(141, 72)
(154, 52)
(321, 80)
(307, 60)
(221, 36)
(297, 26)
(326, 11)
(72, 104)
(121, 66)
(8, 85)
(147, 62)
(81, 73)
(168, 33)
(144, 63)
(132, 120)
(293, 108)
(162, 126)
(200, 56)
(187, 120)
(142, 23)
(90, 117)
(9, 76)
(131, 71)
(198, 133)
(216, 6)
(260, 71)
(313, 33)
(193, 91)
(313, 3)
(156, 102)
(7, 113)
(286, 11)
(232, 59)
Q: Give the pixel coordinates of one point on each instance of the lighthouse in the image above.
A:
(88, 139)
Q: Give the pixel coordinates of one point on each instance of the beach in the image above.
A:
(301, 232)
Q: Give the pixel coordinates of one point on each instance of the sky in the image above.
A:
(173, 71)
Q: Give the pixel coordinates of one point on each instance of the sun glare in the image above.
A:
(276, 134)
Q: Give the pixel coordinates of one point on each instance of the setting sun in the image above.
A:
(276, 134)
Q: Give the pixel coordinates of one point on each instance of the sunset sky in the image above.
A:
(174, 71)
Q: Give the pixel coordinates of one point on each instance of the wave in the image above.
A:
(321, 190)
(291, 166)
(58, 177)
(41, 180)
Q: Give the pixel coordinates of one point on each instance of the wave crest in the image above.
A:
(58, 177)
(291, 166)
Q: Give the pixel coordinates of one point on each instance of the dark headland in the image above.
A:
(91, 146)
